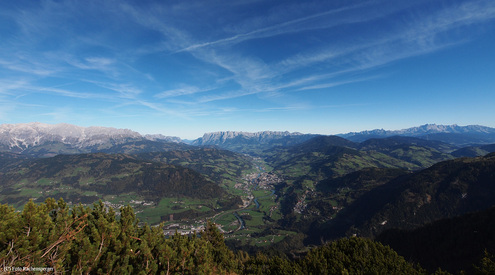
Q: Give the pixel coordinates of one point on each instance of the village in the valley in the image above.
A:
(250, 183)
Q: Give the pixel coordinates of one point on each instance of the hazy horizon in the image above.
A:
(193, 67)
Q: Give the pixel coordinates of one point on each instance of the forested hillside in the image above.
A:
(221, 166)
(394, 199)
(53, 237)
(117, 178)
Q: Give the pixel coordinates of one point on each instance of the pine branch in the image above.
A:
(68, 235)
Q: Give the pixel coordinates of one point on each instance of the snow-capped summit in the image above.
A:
(18, 137)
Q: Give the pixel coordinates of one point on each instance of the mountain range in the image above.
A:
(31, 138)
(251, 143)
(22, 137)
(455, 134)
(255, 143)
(19, 137)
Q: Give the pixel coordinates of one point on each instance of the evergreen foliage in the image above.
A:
(487, 265)
(356, 256)
(95, 240)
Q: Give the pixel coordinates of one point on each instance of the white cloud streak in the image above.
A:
(185, 90)
(290, 26)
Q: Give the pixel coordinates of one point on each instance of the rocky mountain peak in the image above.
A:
(19, 137)
(223, 136)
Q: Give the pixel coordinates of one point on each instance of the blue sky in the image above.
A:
(183, 68)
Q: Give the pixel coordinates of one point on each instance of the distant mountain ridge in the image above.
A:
(246, 142)
(40, 139)
(160, 137)
(426, 129)
(222, 137)
(251, 143)
(19, 137)
(454, 134)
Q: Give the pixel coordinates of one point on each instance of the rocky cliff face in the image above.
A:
(160, 137)
(218, 138)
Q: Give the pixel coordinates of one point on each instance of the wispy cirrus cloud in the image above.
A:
(337, 83)
(253, 75)
(15, 90)
(287, 26)
(416, 37)
(11, 87)
(23, 64)
(425, 34)
(190, 59)
(164, 110)
(123, 90)
(184, 90)
(92, 63)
